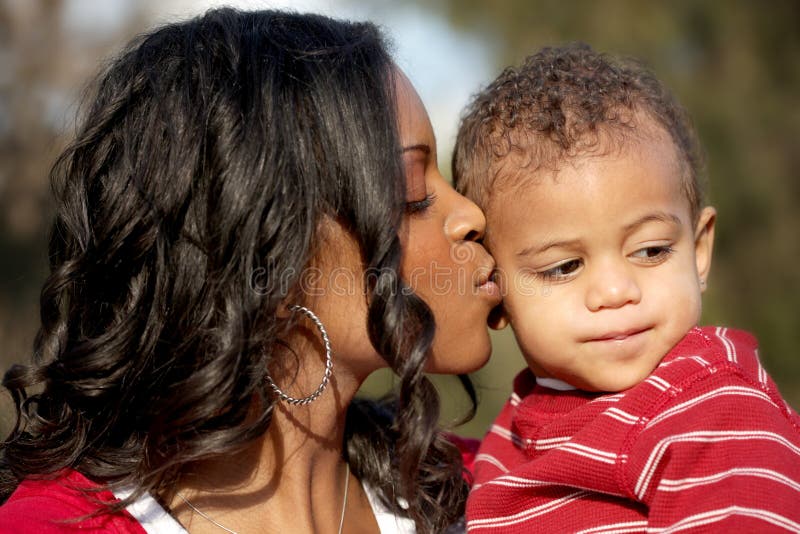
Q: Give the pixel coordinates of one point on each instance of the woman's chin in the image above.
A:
(461, 360)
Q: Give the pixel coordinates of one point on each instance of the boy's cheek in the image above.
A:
(519, 284)
(534, 343)
(535, 368)
(501, 279)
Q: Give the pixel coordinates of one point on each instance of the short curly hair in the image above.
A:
(561, 103)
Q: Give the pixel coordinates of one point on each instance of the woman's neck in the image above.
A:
(291, 480)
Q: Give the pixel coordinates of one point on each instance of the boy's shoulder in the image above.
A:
(709, 345)
(711, 361)
(709, 407)
(713, 354)
(712, 381)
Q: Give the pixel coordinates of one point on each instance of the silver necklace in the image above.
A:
(229, 531)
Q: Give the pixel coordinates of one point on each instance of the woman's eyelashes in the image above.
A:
(420, 206)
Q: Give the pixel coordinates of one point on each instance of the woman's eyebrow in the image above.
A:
(422, 147)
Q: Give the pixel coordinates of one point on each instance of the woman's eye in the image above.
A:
(562, 270)
(653, 254)
(419, 206)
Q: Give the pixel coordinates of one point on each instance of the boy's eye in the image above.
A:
(562, 270)
(653, 254)
(419, 206)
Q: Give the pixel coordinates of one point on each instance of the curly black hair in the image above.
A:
(210, 149)
(560, 103)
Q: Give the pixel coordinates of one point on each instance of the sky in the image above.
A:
(445, 66)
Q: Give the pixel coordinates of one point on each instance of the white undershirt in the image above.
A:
(388, 523)
(554, 383)
(151, 515)
(155, 520)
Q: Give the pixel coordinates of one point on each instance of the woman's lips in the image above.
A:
(487, 286)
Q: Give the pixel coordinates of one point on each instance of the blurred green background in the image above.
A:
(735, 65)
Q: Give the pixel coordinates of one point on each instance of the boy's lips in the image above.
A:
(619, 335)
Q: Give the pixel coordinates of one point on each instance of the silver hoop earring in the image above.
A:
(328, 363)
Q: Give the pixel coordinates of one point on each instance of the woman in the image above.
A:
(250, 222)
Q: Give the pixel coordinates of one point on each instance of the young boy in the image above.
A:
(630, 418)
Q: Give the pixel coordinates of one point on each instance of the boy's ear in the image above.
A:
(498, 318)
(704, 243)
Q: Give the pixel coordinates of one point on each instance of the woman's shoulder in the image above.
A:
(62, 504)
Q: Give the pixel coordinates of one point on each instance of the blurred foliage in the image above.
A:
(736, 67)
(43, 67)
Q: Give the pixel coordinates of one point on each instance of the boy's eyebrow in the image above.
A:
(421, 146)
(538, 248)
(658, 216)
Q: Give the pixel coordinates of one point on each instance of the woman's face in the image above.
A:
(444, 262)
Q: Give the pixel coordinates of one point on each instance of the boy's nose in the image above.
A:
(612, 286)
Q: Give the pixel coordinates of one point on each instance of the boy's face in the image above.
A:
(601, 266)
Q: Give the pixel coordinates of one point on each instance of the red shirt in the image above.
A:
(704, 443)
(44, 506)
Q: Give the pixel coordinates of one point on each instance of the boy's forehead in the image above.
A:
(536, 161)
(524, 198)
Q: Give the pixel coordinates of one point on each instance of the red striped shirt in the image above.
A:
(704, 443)
(63, 505)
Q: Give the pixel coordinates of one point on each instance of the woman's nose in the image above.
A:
(466, 221)
(612, 285)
